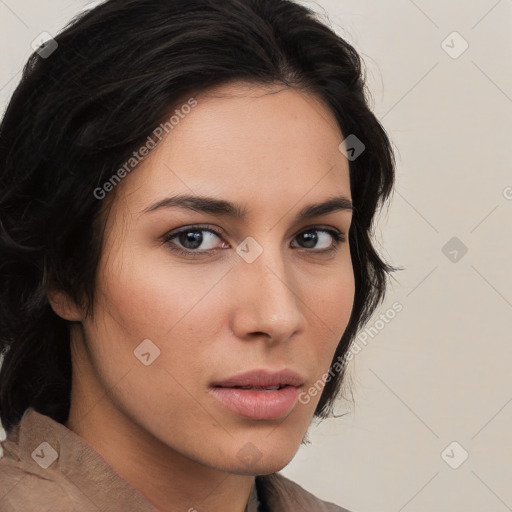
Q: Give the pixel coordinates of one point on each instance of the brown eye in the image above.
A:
(192, 240)
(320, 240)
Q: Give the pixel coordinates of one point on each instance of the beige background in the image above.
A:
(438, 372)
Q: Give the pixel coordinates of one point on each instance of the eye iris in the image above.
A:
(310, 239)
(191, 239)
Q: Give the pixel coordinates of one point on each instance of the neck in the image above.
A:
(169, 480)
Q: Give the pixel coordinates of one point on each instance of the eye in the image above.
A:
(328, 240)
(198, 239)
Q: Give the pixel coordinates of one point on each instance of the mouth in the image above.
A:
(259, 394)
(263, 379)
(254, 388)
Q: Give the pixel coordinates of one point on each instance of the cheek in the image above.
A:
(148, 306)
(330, 296)
(330, 309)
(147, 297)
(149, 292)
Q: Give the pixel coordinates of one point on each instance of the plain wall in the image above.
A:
(438, 372)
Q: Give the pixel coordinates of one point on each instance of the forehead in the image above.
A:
(241, 140)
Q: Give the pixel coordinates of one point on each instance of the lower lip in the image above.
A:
(258, 405)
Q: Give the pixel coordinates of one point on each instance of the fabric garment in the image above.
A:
(47, 467)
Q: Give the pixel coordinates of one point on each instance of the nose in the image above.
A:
(267, 301)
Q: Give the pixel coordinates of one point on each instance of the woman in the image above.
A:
(187, 197)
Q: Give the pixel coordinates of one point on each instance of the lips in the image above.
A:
(255, 388)
(259, 394)
(262, 379)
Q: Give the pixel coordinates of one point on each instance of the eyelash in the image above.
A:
(337, 236)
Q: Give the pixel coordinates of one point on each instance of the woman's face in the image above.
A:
(177, 315)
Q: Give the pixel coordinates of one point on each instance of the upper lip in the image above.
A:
(262, 378)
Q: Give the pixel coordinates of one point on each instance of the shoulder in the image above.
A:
(47, 467)
(27, 490)
(281, 493)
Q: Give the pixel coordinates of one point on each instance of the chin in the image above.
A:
(250, 460)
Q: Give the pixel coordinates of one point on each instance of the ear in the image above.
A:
(63, 305)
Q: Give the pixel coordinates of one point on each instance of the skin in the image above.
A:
(273, 150)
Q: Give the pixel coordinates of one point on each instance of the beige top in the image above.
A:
(47, 467)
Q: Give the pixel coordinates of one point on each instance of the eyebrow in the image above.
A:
(222, 207)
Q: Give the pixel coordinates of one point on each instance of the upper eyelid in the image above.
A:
(173, 233)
